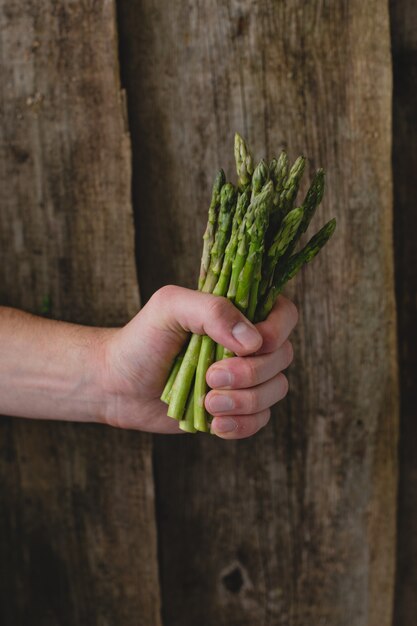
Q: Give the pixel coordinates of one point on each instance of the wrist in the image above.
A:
(96, 380)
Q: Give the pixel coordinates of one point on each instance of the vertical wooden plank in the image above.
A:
(297, 525)
(78, 543)
(404, 40)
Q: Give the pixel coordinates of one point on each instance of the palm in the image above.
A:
(138, 367)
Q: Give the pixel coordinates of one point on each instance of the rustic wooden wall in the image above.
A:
(404, 45)
(296, 525)
(78, 543)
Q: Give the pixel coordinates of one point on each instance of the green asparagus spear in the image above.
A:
(311, 201)
(282, 240)
(295, 263)
(260, 178)
(225, 219)
(282, 171)
(187, 424)
(279, 176)
(205, 359)
(216, 214)
(230, 252)
(166, 394)
(181, 388)
(208, 237)
(244, 162)
(265, 196)
(256, 234)
(185, 377)
(208, 351)
(219, 352)
(278, 171)
(291, 185)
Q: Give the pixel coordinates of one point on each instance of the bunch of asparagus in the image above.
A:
(248, 256)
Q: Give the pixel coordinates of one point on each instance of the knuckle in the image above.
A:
(165, 293)
(218, 307)
(250, 372)
(271, 337)
(249, 426)
(251, 401)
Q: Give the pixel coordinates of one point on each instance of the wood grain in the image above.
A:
(404, 44)
(296, 525)
(78, 541)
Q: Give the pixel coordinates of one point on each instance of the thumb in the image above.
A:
(173, 311)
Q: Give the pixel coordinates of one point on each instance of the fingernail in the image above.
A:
(220, 403)
(224, 425)
(246, 335)
(220, 378)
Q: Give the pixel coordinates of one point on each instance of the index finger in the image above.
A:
(278, 326)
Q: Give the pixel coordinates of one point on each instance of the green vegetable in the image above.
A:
(248, 256)
(208, 236)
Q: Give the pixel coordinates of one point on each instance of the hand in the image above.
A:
(134, 362)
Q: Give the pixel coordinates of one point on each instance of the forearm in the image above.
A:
(48, 368)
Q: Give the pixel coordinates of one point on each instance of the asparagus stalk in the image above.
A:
(208, 237)
(230, 252)
(282, 171)
(295, 263)
(278, 171)
(182, 385)
(208, 242)
(244, 162)
(291, 185)
(246, 273)
(260, 178)
(219, 352)
(185, 375)
(225, 218)
(312, 200)
(254, 290)
(208, 350)
(187, 424)
(279, 175)
(166, 394)
(256, 235)
(206, 358)
(282, 240)
(265, 196)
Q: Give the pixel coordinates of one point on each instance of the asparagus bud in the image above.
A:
(259, 178)
(208, 237)
(291, 185)
(244, 162)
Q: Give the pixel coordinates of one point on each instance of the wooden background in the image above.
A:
(297, 525)
(78, 540)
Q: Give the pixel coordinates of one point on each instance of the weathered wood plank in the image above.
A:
(404, 38)
(78, 543)
(296, 526)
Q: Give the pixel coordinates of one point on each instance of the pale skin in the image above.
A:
(114, 376)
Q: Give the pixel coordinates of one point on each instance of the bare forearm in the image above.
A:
(47, 368)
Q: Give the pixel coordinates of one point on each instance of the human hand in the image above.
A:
(134, 362)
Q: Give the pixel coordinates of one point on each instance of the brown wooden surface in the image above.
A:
(78, 543)
(297, 525)
(404, 40)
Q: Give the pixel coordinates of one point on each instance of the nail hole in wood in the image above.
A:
(233, 580)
